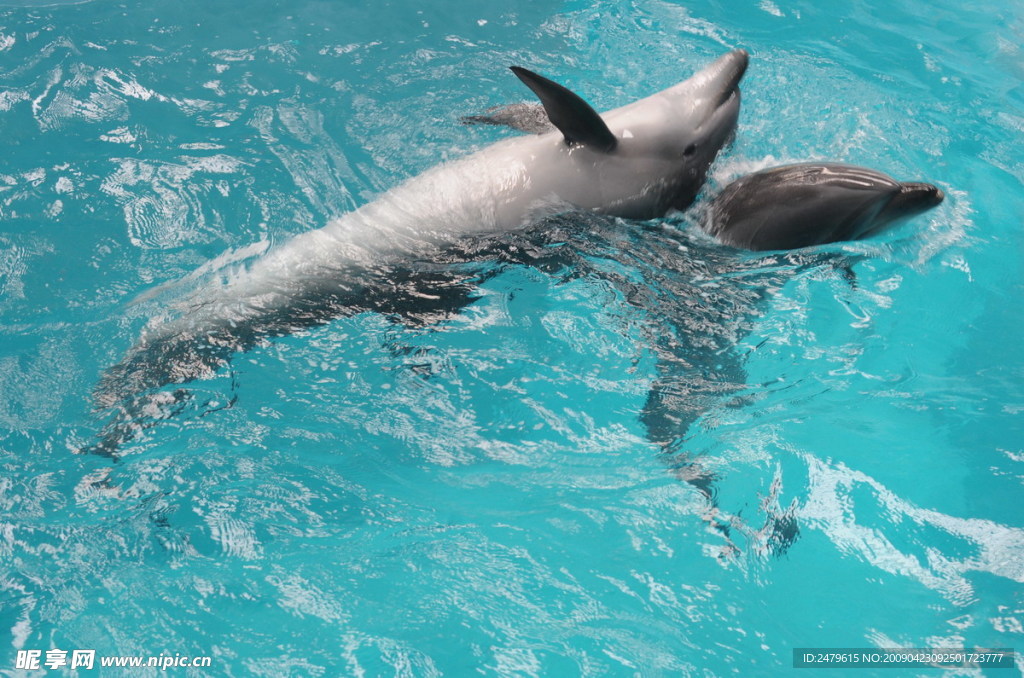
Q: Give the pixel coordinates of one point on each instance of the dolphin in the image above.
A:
(794, 206)
(638, 161)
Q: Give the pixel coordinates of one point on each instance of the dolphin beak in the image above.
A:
(726, 72)
(715, 94)
(714, 90)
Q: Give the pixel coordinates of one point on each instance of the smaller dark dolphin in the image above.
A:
(808, 204)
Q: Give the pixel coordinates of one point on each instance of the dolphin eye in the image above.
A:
(690, 150)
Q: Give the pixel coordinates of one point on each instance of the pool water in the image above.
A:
(482, 494)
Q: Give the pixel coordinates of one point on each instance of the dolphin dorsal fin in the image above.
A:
(575, 119)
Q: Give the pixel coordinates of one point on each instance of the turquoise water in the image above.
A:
(480, 495)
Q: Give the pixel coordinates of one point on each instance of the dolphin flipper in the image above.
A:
(529, 118)
(574, 117)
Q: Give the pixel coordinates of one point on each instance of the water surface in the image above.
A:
(481, 494)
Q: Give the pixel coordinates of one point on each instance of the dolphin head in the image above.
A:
(807, 204)
(672, 137)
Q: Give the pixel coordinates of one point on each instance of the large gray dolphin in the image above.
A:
(637, 161)
(806, 204)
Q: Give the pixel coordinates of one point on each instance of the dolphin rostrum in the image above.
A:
(637, 161)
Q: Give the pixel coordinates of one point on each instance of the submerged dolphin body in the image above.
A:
(637, 161)
(795, 206)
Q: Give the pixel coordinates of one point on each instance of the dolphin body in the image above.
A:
(638, 161)
(807, 204)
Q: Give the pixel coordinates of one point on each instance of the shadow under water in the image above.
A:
(699, 300)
